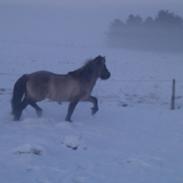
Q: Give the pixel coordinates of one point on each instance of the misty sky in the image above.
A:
(142, 7)
(72, 19)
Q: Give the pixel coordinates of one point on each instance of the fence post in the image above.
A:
(173, 95)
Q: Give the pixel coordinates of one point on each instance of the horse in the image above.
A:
(73, 87)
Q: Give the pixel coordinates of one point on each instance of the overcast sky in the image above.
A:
(74, 19)
(131, 5)
(108, 8)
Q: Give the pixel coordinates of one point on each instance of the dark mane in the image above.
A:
(84, 72)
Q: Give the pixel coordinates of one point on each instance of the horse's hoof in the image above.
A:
(60, 103)
(94, 110)
(16, 118)
(68, 120)
(39, 113)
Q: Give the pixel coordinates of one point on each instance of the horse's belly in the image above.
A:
(64, 92)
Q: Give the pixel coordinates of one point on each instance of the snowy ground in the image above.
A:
(134, 137)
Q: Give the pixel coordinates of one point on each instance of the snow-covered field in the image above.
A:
(134, 137)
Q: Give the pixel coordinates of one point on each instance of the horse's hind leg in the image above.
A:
(37, 108)
(70, 111)
(94, 101)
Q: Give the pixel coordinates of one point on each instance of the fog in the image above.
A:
(67, 23)
(160, 33)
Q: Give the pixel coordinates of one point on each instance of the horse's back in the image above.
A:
(56, 87)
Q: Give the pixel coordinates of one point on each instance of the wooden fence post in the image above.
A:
(173, 95)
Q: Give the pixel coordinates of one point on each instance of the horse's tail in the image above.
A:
(18, 92)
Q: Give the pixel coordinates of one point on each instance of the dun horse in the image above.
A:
(73, 87)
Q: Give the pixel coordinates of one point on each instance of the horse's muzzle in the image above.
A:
(106, 76)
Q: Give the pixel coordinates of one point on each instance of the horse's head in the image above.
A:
(101, 67)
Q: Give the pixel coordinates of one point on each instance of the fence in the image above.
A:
(165, 92)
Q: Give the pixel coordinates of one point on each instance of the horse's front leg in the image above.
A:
(94, 101)
(70, 111)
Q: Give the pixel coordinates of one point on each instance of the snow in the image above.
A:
(27, 149)
(134, 137)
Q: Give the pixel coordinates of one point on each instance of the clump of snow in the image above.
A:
(72, 142)
(138, 162)
(29, 149)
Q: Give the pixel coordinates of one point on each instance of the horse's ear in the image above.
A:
(104, 59)
(101, 58)
(98, 57)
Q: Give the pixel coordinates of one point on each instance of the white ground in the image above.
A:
(134, 137)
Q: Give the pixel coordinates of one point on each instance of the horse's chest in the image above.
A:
(86, 90)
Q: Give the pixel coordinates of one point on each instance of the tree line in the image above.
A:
(164, 32)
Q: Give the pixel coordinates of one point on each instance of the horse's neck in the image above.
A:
(85, 76)
(91, 82)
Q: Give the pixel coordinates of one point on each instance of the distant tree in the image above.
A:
(149, 21)
(134, 20)
(163, 32)
(117, 23)
(166, 18)
(116, 27)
